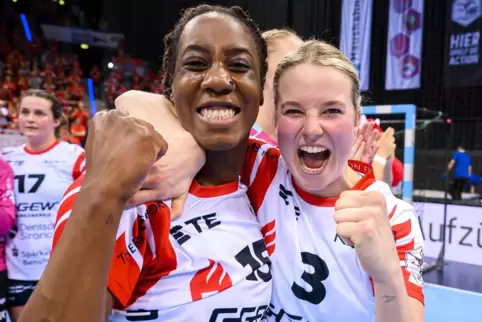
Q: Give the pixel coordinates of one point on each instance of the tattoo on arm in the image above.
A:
(388, 298)
(110, 220)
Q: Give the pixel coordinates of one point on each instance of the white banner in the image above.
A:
(404, 45)
(355, 37)
(463, 234)
(82, 36)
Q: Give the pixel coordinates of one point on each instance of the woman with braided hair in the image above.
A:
(210, 265)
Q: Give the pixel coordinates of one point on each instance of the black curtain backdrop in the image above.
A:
(145, 24)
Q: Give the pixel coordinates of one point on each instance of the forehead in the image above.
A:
(308, 82)
(35, 102)
(217, 29)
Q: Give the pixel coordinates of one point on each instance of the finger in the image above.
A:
(369, 130)
(143, 196)
(177, 206)
(159, 143)
(347, 230)
(355, 147)
(348, 215)
(360, 151)
(357, 199)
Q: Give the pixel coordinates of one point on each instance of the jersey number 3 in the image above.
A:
(318, 274)
(39, 178)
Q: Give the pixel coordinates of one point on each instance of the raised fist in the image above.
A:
(362, 220)
(120, 151)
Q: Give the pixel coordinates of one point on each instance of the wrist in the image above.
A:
(392, 281)
(380, 159)
(98, 190)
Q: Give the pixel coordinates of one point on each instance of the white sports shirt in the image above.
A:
(41, 179)
(316, 276)
(210, 264)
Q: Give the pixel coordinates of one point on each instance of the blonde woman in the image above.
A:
(342, 247)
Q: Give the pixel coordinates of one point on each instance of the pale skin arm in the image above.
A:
(394, 305)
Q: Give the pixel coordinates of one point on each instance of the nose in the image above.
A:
(312, 128)
(218, 81)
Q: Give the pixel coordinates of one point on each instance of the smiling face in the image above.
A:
(217, 85)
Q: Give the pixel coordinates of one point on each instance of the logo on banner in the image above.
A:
(464, 12)
(410, 66)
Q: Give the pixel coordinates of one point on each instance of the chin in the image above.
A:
(222, 142)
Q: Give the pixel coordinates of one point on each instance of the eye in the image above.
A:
(195, 64)
(333, 111)
(239, 65)
(293, 112)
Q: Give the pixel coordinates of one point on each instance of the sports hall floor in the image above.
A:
(454, 294)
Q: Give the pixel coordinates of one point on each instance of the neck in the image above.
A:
(222, 167)
(40, 144)
(347, 181)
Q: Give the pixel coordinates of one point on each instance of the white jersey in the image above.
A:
(316, 275)
(41, 179)
(211, 264)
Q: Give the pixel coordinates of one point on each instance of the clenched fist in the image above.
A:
(120, 151)
(362, 220)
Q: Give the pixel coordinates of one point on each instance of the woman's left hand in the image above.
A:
(362, 220)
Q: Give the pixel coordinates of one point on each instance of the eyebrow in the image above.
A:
(230, 51)
(298, 105)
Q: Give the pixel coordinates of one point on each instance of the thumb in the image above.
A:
(177, 206)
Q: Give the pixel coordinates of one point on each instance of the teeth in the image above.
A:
(218, 114)
(312, 149)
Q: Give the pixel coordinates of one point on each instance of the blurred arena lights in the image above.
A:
(26, 28)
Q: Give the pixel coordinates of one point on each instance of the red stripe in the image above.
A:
(166, 261)
(77, 170)
(269, 235)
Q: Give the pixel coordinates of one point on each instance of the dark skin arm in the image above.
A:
(73, 286)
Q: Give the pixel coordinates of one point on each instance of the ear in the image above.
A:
(57, 123)
(358, 117)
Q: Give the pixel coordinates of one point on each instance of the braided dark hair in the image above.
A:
(171, 40)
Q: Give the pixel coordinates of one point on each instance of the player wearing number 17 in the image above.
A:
(43, 168)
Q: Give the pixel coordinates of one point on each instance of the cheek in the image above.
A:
(286, 130)
(341, 133)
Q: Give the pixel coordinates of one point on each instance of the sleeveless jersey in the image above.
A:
(41, 179)
(316, 275)
(210, 264)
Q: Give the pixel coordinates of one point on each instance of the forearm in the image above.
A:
(73, 286)
(387, 176)
(392, 301)
(154, 109)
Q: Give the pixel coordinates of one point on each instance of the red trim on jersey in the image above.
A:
(265, 173)
(212, 191)
(269, 235)
(367, 180)
(207, 281)
(77, 169)
(43, 151)
(165, 260)
(127, 281)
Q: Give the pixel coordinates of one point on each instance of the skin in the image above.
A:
(276, 50)
(207, 61)
(308, 116)
(37, 123)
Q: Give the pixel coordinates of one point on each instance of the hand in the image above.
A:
(120, 151)
(365, 146)
(387, 144)
(362, 220)
(171, 176)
